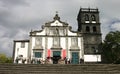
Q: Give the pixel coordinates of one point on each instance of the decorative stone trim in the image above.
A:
(38, 49)
(57, 48)
(21, 40)
(74, 49)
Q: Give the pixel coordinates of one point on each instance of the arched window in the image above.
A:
(93, 17)
(95, 50)
(94, 29)
(87, 29)
(86, 17)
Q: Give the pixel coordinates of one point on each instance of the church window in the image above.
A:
(94, 29)
(56, 31)
(51, 31)
(94, 50)
(38, 54)
(56, 41)
(87, 29)
(61, 32)
(93, 18)
(38, 41)
(86, 17)
(74, 41)
(22, 44)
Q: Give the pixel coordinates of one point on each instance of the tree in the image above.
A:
(111, 48)
(4, 59)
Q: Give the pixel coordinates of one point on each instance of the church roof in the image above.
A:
(21, 40)
(56, 20)
(56, 17)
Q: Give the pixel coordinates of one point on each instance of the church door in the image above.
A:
(75, 58)
(56, 53)
(56, 56)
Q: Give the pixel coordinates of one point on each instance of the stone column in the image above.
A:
(46, 42)
(29, 50)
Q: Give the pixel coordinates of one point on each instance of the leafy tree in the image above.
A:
(111, 48)
(9, 60)
(4, 59)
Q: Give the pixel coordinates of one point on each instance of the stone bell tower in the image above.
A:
(89, 26)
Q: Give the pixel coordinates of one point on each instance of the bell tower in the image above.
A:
(89, 27)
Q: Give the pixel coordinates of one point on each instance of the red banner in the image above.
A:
(49, 52)
(64, 53)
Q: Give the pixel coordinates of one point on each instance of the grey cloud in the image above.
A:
(13, 2)
(18, 17)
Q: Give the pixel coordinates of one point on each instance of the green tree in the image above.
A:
(4, 59)
(9, 60)
(111, 48)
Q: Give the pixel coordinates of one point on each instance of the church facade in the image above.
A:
(57, 42)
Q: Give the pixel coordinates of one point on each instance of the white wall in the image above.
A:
(32, 46)
(21, 51)
(63, 42)
(33, 42)
(71, 33)
(92, 58)
(41, 33)
(69, 44)
(50, 42)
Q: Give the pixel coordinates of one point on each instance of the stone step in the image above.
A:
(59, 69)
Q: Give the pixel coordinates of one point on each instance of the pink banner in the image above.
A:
(64, 53)
(49, 52)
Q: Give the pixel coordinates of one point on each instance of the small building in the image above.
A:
(57, 42)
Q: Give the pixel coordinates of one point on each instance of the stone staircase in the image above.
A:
(59, 69)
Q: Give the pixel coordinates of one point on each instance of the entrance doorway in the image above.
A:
(75, 58)
(56, 56)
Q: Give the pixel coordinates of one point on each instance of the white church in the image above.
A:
(56, 43)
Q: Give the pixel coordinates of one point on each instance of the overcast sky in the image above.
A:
(18, 17)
